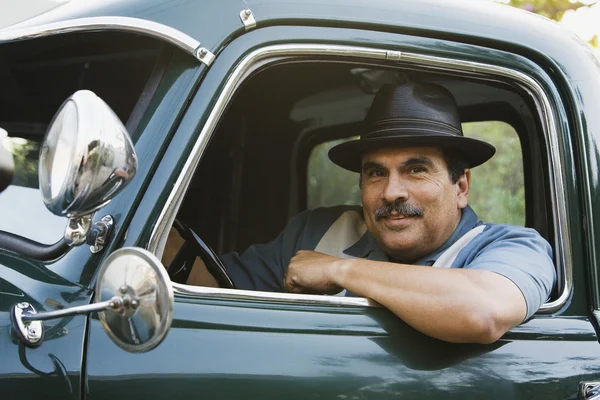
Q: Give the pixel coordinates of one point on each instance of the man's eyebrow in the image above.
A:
(418, 161)
(371, 165)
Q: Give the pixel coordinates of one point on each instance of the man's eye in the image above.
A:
(377, 173)
(416, 170)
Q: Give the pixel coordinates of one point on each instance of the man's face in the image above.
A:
(410, 204)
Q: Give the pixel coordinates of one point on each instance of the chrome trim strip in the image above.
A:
(236, 294)
(277, 52)
(123, 24)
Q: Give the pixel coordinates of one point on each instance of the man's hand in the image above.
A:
(312, 272)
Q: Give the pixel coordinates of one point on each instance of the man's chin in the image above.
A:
(400, 251)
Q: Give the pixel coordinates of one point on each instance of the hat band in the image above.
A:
(412, 124)
(404, 120)
(408, 132)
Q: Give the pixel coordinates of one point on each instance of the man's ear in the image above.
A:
(462, 189)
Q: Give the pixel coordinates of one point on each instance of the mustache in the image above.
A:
(399, 207)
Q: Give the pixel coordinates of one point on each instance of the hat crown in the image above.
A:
(413, 103)
(412, 115)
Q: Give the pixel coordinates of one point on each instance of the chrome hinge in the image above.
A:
(247, 18)
(589, 390)
(30, 333)
(393, 55)
(100, 233)
(205, 56)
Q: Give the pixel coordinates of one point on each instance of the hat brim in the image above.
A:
(474, 152)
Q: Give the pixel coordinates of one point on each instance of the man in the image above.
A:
(415, 247)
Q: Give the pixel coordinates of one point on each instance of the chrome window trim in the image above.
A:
(258, 58)
(121, 24)
(307, 299)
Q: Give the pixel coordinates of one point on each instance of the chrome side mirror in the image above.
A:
(134, 300)
(86, 158)
(7, 164)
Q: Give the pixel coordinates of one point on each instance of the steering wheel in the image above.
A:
(181, 266)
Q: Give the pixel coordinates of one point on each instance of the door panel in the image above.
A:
(54, 368)
(226, 349)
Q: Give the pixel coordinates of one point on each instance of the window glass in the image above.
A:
(328, 184)
(497, 187)
(26, 213)
(25, 157)
(36, 77)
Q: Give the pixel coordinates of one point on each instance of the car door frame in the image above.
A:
(227, 325)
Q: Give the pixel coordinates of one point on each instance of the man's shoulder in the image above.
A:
(498, 233)
(320, 219)
(333, 211)
(326, 216)
(506, 230)
(311, 227)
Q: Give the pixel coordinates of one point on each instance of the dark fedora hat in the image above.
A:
(409, 115)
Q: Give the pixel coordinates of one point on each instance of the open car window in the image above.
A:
(266, 160)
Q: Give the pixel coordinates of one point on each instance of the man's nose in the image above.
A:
(395, 189)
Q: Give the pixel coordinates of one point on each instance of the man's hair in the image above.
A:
(455, 163)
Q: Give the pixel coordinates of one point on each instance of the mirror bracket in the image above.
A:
(77, 230)
(30, 333)
(27, 323)
(134, 300)
(99, 234)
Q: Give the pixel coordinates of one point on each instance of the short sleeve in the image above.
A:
(521, 255)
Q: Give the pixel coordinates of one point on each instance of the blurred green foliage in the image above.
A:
(25, 156)
(553, 9)
(497, 187)
(328, 184)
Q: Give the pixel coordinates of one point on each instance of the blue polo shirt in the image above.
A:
(518, 253)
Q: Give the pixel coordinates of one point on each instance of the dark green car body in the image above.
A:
(223, 345)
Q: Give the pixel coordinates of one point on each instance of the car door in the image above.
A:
(55, 366)
(227, 343)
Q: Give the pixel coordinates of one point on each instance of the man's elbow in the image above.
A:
(487, 327)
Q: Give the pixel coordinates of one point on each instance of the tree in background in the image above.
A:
(556, 9)
(553, 9)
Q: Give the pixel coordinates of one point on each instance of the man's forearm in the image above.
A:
(454, 305)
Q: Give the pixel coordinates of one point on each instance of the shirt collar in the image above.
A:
(367, 246)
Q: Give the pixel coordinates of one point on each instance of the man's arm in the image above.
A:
(455, 305)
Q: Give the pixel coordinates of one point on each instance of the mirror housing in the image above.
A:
(87, 156)
(137, 277)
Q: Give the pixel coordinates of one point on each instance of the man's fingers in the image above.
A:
(293, 288)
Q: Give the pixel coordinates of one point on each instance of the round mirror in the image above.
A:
(138, 277)
(86, 158)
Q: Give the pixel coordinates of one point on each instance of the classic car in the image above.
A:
(225, 111)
